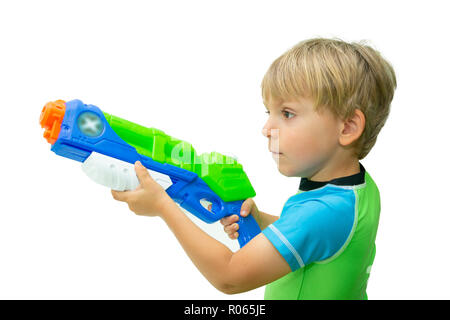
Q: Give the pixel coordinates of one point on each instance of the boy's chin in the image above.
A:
(292, 172)
(288, 173)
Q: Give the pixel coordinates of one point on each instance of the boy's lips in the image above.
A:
(275, 153)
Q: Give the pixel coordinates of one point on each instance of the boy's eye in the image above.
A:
(288, 114)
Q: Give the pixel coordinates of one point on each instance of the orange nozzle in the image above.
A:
(51, 118)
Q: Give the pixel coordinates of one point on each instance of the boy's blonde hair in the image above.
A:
(337, 75)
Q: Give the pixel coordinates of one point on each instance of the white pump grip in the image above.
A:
(117, 174)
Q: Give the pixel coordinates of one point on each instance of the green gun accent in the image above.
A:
(223, 174)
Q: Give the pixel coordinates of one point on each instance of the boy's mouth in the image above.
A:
(275, 151)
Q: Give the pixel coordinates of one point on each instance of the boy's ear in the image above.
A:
(352, 128)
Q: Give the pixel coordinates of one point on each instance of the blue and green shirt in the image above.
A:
(326, 233)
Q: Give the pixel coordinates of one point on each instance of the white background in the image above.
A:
(193, 69)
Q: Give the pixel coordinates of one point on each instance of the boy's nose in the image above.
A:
(268, 132)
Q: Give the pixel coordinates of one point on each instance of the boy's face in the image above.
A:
(302, 140)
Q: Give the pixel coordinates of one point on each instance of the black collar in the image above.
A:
(353, 180)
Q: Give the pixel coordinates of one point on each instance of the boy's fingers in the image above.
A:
(119, 195)
(233, 235)
(229, 220)
(232, 228)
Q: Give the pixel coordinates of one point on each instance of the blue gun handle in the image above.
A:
(248, 229)
(193, 192)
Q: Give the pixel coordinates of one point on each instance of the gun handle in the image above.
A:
(248, 229)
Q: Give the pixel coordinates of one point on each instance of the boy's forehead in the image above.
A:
(295, 103)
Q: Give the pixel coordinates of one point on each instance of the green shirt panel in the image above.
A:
(344, 275)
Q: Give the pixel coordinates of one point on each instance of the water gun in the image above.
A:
(210, 186)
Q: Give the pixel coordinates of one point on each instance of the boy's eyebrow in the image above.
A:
(277, 105)
(292, 105)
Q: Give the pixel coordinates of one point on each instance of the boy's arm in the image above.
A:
(254, 265)
(229, 272)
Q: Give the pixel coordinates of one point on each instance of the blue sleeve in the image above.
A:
(312, 231)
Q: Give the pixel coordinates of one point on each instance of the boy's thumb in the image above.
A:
(246, 207)
(142, 173)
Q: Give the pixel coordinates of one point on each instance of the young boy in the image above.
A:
(327, 101)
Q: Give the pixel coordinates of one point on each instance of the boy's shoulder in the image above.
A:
(314, 224)
(330, 197)
(346, 199)
(337, 195)
(327, 207)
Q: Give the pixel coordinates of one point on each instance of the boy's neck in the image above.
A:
(337, 170)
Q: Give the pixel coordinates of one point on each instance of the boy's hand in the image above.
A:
(230, 223)
(148, 199)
